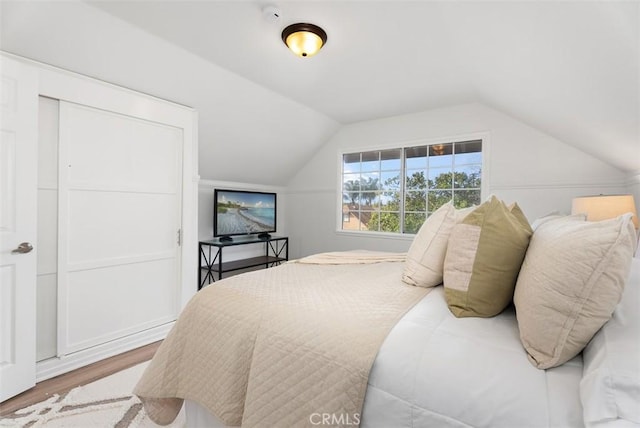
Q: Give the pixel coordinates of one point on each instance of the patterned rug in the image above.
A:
(104, 403)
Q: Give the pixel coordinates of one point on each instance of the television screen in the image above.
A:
(239, 212)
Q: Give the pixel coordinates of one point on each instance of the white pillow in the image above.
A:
(425, 258)
(556, 216)
(571, 280)
(610, 385)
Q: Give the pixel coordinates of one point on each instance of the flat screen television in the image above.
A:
(241, 212)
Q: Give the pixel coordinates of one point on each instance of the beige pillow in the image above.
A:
(463, 212)
(570, 282)
(555, 216)
(425, 258)
(483, 259)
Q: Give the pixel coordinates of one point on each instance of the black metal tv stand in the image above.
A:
(276, 251)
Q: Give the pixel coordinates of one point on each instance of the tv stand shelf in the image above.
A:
(276, 251)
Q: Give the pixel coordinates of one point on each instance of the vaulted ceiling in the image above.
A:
(570, 69)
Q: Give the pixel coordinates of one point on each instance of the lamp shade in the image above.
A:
(602, 207)
(304, 40)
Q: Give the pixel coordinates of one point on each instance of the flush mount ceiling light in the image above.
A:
(304, 40)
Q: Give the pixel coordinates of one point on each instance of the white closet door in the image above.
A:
(119, 220)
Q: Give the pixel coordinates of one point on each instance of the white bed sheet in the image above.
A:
(610, 387)
(436, 370)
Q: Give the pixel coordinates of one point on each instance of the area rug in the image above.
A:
(107, 402)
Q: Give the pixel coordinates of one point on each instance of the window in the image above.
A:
(395, 190)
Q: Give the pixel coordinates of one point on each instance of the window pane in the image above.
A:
(474, 146)
(440, 155)
(468, 158)
(468, 152)
(413, 221)
(370, 201)
(444, 161)
(467, 177)
(370, 161)
(369, 220)
(390, 222)
(370, 181)
(390, 201)
(390, 180)
(416, 179)
(440, 178)
(416, 157)
(437, 198)
(466, 198)
(350, 219)
(390, 159)
(352, 199)
(365, 221)
(415, 201)
(351, 182)
(351, 163)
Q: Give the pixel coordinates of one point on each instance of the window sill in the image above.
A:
(377, 235)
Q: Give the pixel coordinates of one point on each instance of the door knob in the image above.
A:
(23, 248)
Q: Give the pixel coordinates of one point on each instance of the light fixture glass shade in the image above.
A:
(603, 207)
(304, 40)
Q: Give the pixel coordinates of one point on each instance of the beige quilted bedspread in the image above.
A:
(275, 347)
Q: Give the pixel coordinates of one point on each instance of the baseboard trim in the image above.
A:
(52, 367)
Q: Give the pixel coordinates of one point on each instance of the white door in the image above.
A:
(18, 224)
(119, 220)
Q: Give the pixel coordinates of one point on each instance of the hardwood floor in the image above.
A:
(82, 376)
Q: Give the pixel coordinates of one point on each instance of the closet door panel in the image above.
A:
(120, 212)
(112, 302)
(114, 151)
(123, 227)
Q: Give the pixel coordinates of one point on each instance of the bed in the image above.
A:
(429, 367)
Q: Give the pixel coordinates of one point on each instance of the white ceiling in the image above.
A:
(570, 69)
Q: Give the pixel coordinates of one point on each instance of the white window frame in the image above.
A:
(484, 185)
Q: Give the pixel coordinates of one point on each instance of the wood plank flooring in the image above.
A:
(82, 376)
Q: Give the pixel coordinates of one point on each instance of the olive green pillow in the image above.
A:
(484, 255)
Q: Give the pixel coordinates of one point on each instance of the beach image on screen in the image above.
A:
(244, 212)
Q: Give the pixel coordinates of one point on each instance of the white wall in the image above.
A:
(633, 187)
(523, 164)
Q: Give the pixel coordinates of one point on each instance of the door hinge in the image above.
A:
(179, 237)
